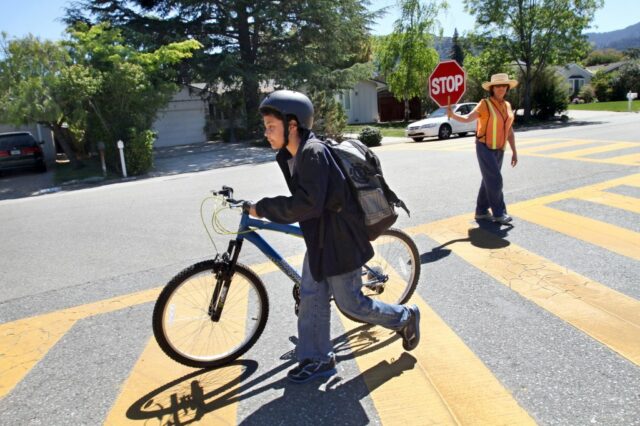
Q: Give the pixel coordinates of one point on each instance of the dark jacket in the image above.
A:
(322, 202)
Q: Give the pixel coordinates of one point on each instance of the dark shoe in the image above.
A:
(411, 331)
(308, 370)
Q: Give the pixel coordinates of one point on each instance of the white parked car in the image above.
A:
(438, 124)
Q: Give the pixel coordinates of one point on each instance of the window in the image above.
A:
(347, 100)
(576, 83)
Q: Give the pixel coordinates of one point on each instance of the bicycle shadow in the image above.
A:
(189, 398)
(488, 235)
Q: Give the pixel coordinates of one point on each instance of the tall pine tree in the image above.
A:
(456, 52)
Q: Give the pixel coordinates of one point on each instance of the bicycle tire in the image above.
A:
(242, 321)
(395, 255)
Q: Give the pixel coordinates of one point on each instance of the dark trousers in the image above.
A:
(490, 194)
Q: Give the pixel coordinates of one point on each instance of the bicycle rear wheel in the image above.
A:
(185, 331)
(392, 275)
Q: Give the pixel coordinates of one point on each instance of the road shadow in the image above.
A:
(208, 156)
(488, 235)
(191, 398)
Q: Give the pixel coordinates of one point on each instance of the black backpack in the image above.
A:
(363, 172)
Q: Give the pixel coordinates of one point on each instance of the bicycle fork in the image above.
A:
(223, 273)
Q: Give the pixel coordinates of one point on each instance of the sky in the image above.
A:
(42, 17)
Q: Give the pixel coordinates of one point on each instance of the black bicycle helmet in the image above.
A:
(288, 102)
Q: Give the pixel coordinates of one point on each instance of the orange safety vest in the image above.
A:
(497, 126)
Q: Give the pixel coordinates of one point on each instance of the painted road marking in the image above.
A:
(602, 313)
(541, 145)
(611, 237)
(453, 385)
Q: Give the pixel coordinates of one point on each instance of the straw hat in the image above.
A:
(498, 79)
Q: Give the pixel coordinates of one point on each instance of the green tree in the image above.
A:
(479, 69)
(534, 33)
(406, 57)
(134, 85)
(248, 42)
(603, 56)
(549, 94)
(457, 53)
(602, 86)
(626, 80)
(89, 88)
(40, 84)
(632, 53)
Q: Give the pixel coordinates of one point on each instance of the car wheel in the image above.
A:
(417, 139)
(444, 132)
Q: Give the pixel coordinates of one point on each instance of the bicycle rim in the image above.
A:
(187, 333)
(397, 258)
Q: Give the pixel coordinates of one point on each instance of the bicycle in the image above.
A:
(214, 311)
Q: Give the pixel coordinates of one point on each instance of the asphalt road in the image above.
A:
(69, 357)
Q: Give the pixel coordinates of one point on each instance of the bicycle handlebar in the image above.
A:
(227, 193)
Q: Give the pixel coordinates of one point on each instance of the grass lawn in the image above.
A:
(387, 129)
(64, 172)
(619, 106)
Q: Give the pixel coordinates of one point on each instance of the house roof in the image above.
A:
(606, 68)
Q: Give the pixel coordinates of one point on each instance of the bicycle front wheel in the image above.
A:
(184, 329)
(392, 275)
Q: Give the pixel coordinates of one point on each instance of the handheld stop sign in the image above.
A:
(447, 83)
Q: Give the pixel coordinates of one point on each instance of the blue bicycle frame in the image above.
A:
(246, 230)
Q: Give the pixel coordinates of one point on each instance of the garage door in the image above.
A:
(181, 123)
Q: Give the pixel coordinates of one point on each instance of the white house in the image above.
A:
(575, 75)
(183, 120)
(361, 102)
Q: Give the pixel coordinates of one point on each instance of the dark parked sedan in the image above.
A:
(19, 150)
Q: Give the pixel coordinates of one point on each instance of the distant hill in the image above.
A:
(619, 39)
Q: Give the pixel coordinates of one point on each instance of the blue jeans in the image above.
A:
(490, 194)
(314, 341)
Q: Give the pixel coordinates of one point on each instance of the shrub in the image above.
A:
(329, 117)
(549, 94)
(587, 93)
(138, 152)
(601, 83)
(370, 136)
(239, 134)
(627, 79)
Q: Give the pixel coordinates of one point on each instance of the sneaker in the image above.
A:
(411, 331)
(504, 219)
(485, 216)
(309, 369)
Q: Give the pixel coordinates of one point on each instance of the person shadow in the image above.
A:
(331, 402)
(488, 235)
(199, 396)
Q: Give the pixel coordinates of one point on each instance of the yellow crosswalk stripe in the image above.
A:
(610, 237)
(614, 238)
(628, 160)
(602, 313)
(452, 384)
(549, 147)
(610, 199)
(165, 392)
(596, 150)
(25, 342)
